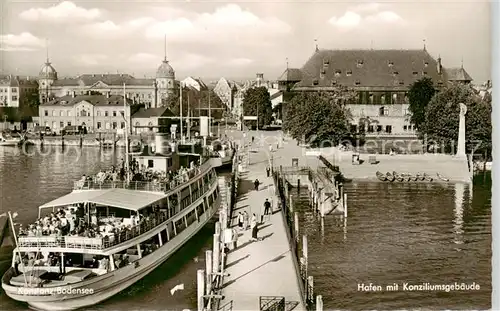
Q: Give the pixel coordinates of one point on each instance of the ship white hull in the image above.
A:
(107, 285)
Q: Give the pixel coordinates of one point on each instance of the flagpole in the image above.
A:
(17, 247)
(127, 168)
(209, 116)
(182, 137)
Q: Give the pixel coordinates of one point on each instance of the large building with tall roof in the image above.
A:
(381, 79)
(152, 92)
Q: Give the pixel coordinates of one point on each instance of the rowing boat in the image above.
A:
(397, 176)
(427, 177)
(381, 176)
(389, 177)
(442, 177)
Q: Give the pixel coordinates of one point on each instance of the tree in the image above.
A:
(442, 119)
(196, 103)
(419, 95)
(257, 102)
(317, 117)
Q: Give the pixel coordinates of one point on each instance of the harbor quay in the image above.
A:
(285, 150)
(264, 271)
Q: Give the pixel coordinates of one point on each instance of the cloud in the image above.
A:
(240, 62)
(22, 42)
(90, 59)
(191, 61)
(227, 23)
(63, 12)
(349, 19)
(365, 15)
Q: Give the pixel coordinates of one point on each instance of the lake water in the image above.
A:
(27, 181)
(403, 233)
(395, 233)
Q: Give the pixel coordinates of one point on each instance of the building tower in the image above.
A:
(46, 78)
(165, 80)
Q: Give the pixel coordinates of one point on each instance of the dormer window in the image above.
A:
(315, 82)
(426, 64)
(360, 63)
(326, 63)
(395, 73)
(424, 73)
(415, 73)
(323, 71)
(440, 83)
(357, 82)
(334, 82)
(337, 72)
(401, 83)
(390, 63)
(348, 73)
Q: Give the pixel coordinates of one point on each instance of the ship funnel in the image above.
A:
(162, 145)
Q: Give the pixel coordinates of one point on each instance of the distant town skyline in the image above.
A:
(213, 39)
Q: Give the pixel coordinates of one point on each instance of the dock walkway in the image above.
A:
(263, 268)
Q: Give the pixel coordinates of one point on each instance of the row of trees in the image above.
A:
(436, 115)
(316, 117)
(257, 102)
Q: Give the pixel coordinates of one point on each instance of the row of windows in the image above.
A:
(108, 125)
(378, 128)
(82, 113)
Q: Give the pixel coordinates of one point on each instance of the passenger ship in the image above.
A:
(68, 272)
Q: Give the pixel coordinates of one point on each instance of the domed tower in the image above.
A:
(165, 79)
(46, 78)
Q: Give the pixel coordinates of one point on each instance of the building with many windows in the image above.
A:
(151, 92)
(16, 91)
(381, 79)
(94, 113)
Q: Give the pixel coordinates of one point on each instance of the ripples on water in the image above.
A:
(28, 181)
(398, 233)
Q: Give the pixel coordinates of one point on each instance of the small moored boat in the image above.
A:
(442, 177)
(381, 176)
(427, 177)
(397, 176)
(389, 177)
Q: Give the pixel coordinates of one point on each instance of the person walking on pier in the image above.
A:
(256, 184)
(245, 220)
(268, 171)
(255, 230)
(267, 207)
(240, 220)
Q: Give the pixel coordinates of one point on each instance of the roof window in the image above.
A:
(390, 63)
(326, 62)
(426, 64)
(338, 72)
(334, 82)
(357, 82)
(415, 73)
(360, 63)
(395, 73)
(315, 82)
(348, 73)
(401, 82)
(323, 71)
(424, 73)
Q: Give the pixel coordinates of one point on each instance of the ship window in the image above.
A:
(180, 225)
(150, 163)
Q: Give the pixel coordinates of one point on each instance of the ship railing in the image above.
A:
(154, 186)
(97, 243)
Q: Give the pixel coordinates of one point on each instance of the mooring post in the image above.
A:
(216, 254)
(296, 225)
(298, 185)
(319, 303)
(208, 267)
(304, 254)
(201, 289)
(290, 203)
(345, 204)
(310, 289)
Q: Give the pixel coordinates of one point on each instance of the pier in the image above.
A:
(261, 275)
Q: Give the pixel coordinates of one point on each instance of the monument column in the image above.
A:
(461, 131)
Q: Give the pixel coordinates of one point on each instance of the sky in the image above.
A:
(213, 39)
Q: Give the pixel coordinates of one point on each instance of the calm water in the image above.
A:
(398, 233)
(27, 181)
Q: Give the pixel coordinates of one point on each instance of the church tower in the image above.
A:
(165, 80)
(46, 78)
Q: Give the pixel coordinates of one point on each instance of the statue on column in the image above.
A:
(461, 130)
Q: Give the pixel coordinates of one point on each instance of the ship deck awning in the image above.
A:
(121, 198)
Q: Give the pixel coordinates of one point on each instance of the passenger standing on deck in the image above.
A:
(245, 220)
(267, 207)
(256, 184)
(240, 220)
(255, 230)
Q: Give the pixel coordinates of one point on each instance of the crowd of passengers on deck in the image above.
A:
(142, 174)
(70, 221)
